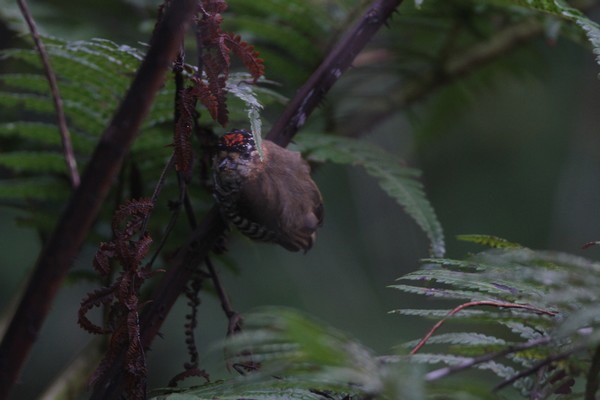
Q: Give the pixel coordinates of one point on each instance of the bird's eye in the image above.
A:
(245, 155)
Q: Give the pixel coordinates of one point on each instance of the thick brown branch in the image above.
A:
(84, 205)
(58, 103)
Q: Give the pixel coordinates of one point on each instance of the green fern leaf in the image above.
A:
(310, 360)
(292, 28)
(42, 134)
(395, 179)
(560, 9)
(93, 76)
(312, 355)
(465, 280)
(241, 390)
(470, 338)
(34, 189)
(246, 93)
(444, 293)
(35, 162)
(547, 299)
(490, 241)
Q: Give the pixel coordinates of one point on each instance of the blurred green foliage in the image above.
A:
(508, 146)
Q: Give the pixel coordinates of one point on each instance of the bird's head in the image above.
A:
(236, 154)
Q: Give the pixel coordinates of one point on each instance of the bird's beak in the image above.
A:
(224, 164)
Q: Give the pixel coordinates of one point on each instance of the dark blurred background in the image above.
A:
(516, 157)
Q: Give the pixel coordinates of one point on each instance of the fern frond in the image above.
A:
(34, 189)
(468, 338)
(507, 290)
(443, 293)
(494, 242)
(310, 361)
(246, 94)
(563, 11)
(33, 162)
(274, 390)
(551, 306)
(397, 180)
(247, 54)
(41, 134)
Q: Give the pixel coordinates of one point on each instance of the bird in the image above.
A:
(268, 199)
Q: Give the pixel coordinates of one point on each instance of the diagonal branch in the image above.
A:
(330, 70)
(443, 372)
(212, 227)
(85, 203)
(58, 103)
(540, 364)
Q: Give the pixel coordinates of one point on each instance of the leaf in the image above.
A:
(559, 9)
(546, 299)
(397, 180)
(25, 161)
(34, 189)
(309, 357)
(470, 338)
(489, 241)
(245, 92)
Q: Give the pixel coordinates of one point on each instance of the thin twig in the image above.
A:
(233, 317)
(58, 103)
(546, 361)
(157, 189)
(476, 304)
(442, 372)
(176, 210)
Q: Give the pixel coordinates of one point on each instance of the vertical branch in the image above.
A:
(58, 103)
(84, 205)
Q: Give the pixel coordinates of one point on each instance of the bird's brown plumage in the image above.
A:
(273, 199)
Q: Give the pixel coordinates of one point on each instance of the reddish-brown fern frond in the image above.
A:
(116, 341)
(142, 246)
(216, 47)
(189, 373)
(247, 54)
(202, 92)
(214, 65)
(214, 6)
(134, 210)
(105, 253)
(94, 299)
(127, 249)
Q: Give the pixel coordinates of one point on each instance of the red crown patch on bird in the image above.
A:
(237, 139)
